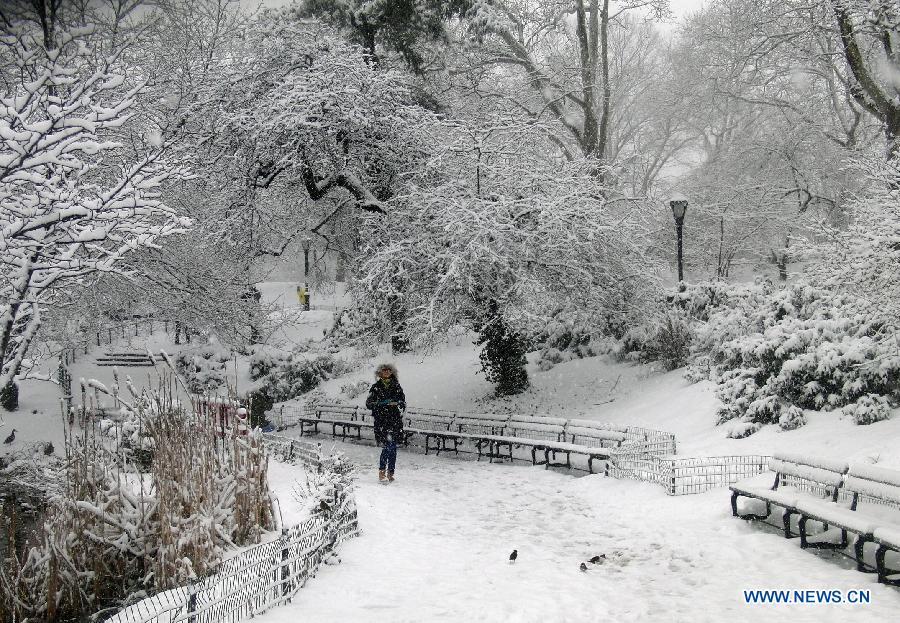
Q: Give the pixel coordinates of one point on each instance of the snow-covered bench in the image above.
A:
(434, 426)
(546, 435)
(486, 432)
(873, 515)
(797, 478)
(595, 434)
(347, 418)
(888, 539)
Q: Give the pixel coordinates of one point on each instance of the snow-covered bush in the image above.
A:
(352, 390)
(315, 493)
(296, 374)
(261, 363)
(569, 336)
(798, 346)
(699, 369)
(204, 369)
(742, 429)
(699, 300)
(357, 325)
(868, 409)
(666, 339)
(791, 418)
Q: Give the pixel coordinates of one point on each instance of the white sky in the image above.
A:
(682, 7)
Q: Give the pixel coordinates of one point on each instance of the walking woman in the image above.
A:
(386, 400)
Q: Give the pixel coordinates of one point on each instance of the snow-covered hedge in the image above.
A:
(774, 351)
(288, 376)
(568, 336)
(204, 369)
(666, 339)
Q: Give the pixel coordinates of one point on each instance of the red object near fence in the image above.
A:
(228, 416)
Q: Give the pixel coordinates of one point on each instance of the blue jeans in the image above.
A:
(388, 455)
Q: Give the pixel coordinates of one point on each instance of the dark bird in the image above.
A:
(513, 556)
(48, 449)
(11, 438)
(583, 567)
(594, 560)
(323, 506)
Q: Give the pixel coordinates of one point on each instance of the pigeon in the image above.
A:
(513, 556)
(323, 506)
(48, 449)
(11, 438)
(595, 559)
(583, 567)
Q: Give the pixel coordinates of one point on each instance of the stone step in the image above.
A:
(128, 359)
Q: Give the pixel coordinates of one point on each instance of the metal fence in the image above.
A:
(685, 475)
(79, 345)
(265, 575)
(287, 416)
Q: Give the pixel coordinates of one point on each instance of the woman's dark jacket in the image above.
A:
(386, 416)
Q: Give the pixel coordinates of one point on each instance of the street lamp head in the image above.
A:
(679, 207)
(306, 243)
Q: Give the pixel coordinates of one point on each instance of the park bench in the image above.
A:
(347, 418)
(595, 440)
(537, 433)
(486, 432)
(434, 426)
(797, 478)
(873, 514)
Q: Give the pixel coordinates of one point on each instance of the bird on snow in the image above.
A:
(513, 556)
(48, 449)
(11, 438)
(595, 559)
(323, 506)
(583, 567)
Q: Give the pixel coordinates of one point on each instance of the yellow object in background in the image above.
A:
(301, 295)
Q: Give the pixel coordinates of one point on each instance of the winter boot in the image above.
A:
(390, 476)
(380, 474)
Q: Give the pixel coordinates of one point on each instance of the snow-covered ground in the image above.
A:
(436, 542)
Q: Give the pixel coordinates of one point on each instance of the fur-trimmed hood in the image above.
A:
(390, 367)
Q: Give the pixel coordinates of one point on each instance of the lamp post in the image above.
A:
(307, 244)
(679, 204)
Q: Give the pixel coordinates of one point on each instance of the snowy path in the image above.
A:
(436, 542)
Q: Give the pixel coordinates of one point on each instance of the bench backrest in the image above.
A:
(815, 472)
(530, 419)
(621, 428)
(428, 419)
(534, 428)
(336, 411)
(595, 437)
(480, 423)
(874, 482)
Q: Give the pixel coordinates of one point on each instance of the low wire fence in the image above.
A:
(685, 475)
(268, 574)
